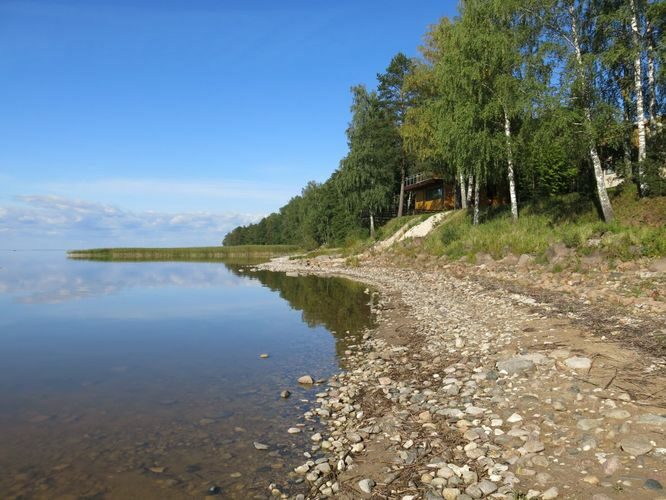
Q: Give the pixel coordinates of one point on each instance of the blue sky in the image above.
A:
(164, 122)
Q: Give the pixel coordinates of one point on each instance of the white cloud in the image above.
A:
(74, 220)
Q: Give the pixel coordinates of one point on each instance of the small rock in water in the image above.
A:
(612, 465)
(157, 470)
(306, 379)
(293, 430)
(285, 394)
(652, 484)
(366, 485)
(617, 414)
(586, 424)
(263, 356)
(260, 446)
(214, 490)
(550, 493)
(636, 445)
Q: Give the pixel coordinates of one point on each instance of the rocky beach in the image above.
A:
(493, 380)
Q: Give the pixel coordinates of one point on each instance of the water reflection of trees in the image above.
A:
(338, 304)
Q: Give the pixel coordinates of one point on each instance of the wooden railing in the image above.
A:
(417, 178)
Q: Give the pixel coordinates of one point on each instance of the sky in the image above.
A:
(170, 122)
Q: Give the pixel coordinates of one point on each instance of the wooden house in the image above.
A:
(429, 193)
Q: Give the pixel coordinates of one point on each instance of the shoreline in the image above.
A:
(466, 391)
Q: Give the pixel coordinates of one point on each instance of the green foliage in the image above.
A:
(559, 73)
(569, 219)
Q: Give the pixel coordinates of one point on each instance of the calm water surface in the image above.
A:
(143, 380)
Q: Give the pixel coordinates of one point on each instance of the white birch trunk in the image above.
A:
(476, 201)
(652, 106)
(402, 192)
(470, 182)
(604, 201)
(638, 90)
(509, 160)
(463, 191)
(372, 225)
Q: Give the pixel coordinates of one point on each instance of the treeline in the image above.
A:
(536, 97)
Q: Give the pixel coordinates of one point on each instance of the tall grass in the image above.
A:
(186, 253)
(571, 220)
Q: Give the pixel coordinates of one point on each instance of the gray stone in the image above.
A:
(557, 252)
(260, 446)
(651, 419)
(285, 394)
(636, 445)
(586, 424)
(450, 493)
(550, 493)
(652, 484)
(658, 265)
(578, 363)
(515, 365)
(366, 485)
(487, 487)
(474, 491)
(533, 446)
(612, 465)
(617, 414)
(324, 468)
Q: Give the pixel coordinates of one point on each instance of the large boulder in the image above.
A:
(658, 265)
(558, 252)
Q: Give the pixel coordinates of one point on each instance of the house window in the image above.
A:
(434, 193)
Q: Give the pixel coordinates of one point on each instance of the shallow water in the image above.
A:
(143, 380)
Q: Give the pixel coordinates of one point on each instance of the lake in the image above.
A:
(144, 380)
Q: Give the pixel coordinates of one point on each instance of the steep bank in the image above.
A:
(472, 387)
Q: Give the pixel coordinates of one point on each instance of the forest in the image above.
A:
(541, 98)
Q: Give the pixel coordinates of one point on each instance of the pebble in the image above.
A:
(612, 465)
(550, 493)
(515, 365)
(636, 445)
(578, 363)
(450, 493)
(366, 485)
(617, 414)
(263, 356)
(285, 394)
(260, 446)
(652, 484)
(586, 424)
(446, 386)
(294, 430)
(306, 380)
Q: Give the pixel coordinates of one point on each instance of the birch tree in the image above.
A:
(562, 21)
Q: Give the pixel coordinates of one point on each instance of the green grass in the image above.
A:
(570, 219)
(183, 254)
(316, 253)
